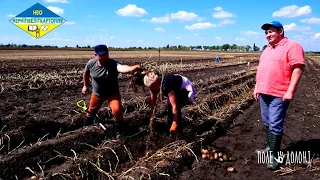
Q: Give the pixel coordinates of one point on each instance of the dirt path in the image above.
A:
(247, 134)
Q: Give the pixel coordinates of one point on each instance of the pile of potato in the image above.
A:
(213, 154)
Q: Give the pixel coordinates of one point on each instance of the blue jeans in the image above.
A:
(273, 112)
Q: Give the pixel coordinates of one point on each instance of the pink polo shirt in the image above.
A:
(275, 67)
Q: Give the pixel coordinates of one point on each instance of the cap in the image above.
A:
(101, 49)
(266, 26)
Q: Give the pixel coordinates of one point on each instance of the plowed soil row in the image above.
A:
(52, 117)
(41, 147)
(45, 152)
(55, 63)
(226, 84)
(48, 78)
(191, 127)
(246, 134)
(239, 138)
(53, 103)
(62, 147)
(39, 130)
(212, 102)
(123, 161)
(173, 159)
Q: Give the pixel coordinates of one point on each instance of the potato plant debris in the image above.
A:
(44, 134)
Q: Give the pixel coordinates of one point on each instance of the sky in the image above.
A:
(155, 23)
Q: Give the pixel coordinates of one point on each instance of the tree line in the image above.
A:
(224, 47)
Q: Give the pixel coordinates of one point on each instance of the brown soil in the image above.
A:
(247, 134)
(45, 131)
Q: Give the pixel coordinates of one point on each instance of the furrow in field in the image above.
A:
(213, 101)
(32, 79)
(167, 157)
(315, 64)
(42, 129)
(230, 109)
(78, 141)
(162, 161)
(53, 61)
(171, 160)
(20, 100)
(224, 85)
(222, 99)
(44, 151)
(203, 83)
(23, 135)
(9, 66)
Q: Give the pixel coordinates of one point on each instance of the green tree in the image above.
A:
(264, 47)
(247, 48)
(234, 47)
(225, 47)
(255, 48)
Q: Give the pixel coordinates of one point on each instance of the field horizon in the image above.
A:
(43, 134)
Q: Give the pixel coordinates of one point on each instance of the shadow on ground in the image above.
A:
(312, 145)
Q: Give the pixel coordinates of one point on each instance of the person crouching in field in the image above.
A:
(178, 89)
(249, 65)
(104, 73)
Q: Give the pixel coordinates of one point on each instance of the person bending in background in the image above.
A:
(104, 72)
(178, 89)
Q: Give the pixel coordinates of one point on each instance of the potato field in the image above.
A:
(43, 134)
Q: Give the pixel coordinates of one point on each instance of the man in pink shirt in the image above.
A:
(280, 69)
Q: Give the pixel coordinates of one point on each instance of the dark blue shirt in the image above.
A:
(171, 82)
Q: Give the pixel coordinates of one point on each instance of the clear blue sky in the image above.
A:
(145, 23)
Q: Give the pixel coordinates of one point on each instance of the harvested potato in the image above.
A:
(204, 156)
(204, 151)
(211, 157)
(215, 156)
(231, 169)
(220, 154)
(225, 158)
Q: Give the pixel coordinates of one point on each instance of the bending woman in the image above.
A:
(179, 91)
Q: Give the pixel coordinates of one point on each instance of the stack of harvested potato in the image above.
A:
(213, 154)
